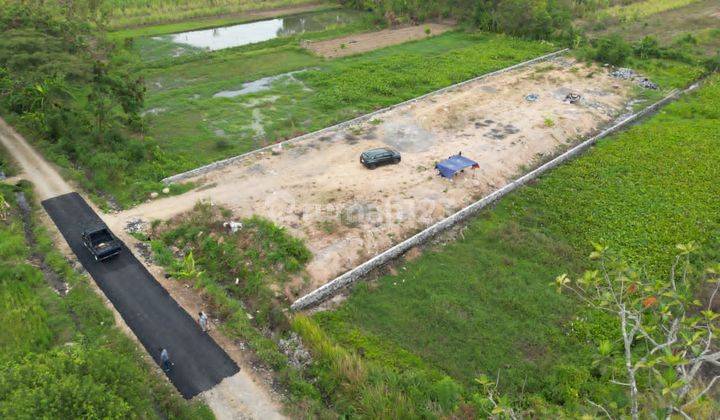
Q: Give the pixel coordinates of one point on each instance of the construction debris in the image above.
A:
(630, 74)
(647, 84)
(572, 98)
(136, 225)
(623, 73)
(233, 226)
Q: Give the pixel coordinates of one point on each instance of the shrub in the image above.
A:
(565, 383)
(612, 50)
(647, 48)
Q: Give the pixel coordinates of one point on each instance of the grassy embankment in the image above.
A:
(62, 356)
(484, 304)
(7, 165)
(196, 128)
(210, 22)
(132, 13)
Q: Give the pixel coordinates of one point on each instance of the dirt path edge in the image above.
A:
(366, 117)
(341, 282)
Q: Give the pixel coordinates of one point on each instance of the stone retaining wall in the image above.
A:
(331, 288)
(229, 161)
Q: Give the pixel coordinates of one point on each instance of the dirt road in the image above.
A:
(346, 213)
(238, 396)
(48, 183)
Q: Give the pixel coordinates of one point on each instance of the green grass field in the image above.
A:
(62, 357)
(194, 128)
(484, 304)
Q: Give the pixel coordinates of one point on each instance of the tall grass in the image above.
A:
(635, 11)
(128, 13)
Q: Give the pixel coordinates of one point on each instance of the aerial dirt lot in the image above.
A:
(359, 43)
(346, 214)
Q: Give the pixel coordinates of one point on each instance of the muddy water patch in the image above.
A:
(260, 85)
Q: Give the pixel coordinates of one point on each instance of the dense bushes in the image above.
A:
(62, 84)
(538, 19)
(612, 50)
(615, 50)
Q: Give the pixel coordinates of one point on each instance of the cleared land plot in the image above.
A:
(484, 304)
(193, 126)
(360, 43)
(346, 213)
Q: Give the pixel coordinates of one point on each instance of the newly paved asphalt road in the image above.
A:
(147, 308)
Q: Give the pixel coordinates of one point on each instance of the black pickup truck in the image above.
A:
(101, 243)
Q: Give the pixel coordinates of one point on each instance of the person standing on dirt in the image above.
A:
(165, 360)
(203, 321)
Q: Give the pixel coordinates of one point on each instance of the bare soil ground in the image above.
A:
(346, 213)
(360, 43)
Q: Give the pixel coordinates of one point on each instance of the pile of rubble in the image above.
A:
(136, 225)
(572, 98)
(630, 74)
(298, 356)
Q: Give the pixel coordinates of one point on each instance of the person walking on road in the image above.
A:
(165, 360)
(203, 321)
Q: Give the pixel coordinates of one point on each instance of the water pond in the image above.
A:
(249, 33)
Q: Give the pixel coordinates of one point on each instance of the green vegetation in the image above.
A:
(130, 13)
(61, 356)
(635, 11)
(296, 28)
(195, 128)
(62, 86)
(239, 274)
(482, 305)
(691, 29)
(7, 165)
(201, 23)
(650, 313)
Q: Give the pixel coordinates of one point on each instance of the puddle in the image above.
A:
(258, 85)
(152, 111)
(265, 30)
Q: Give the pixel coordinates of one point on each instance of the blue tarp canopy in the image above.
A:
(451, 165)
